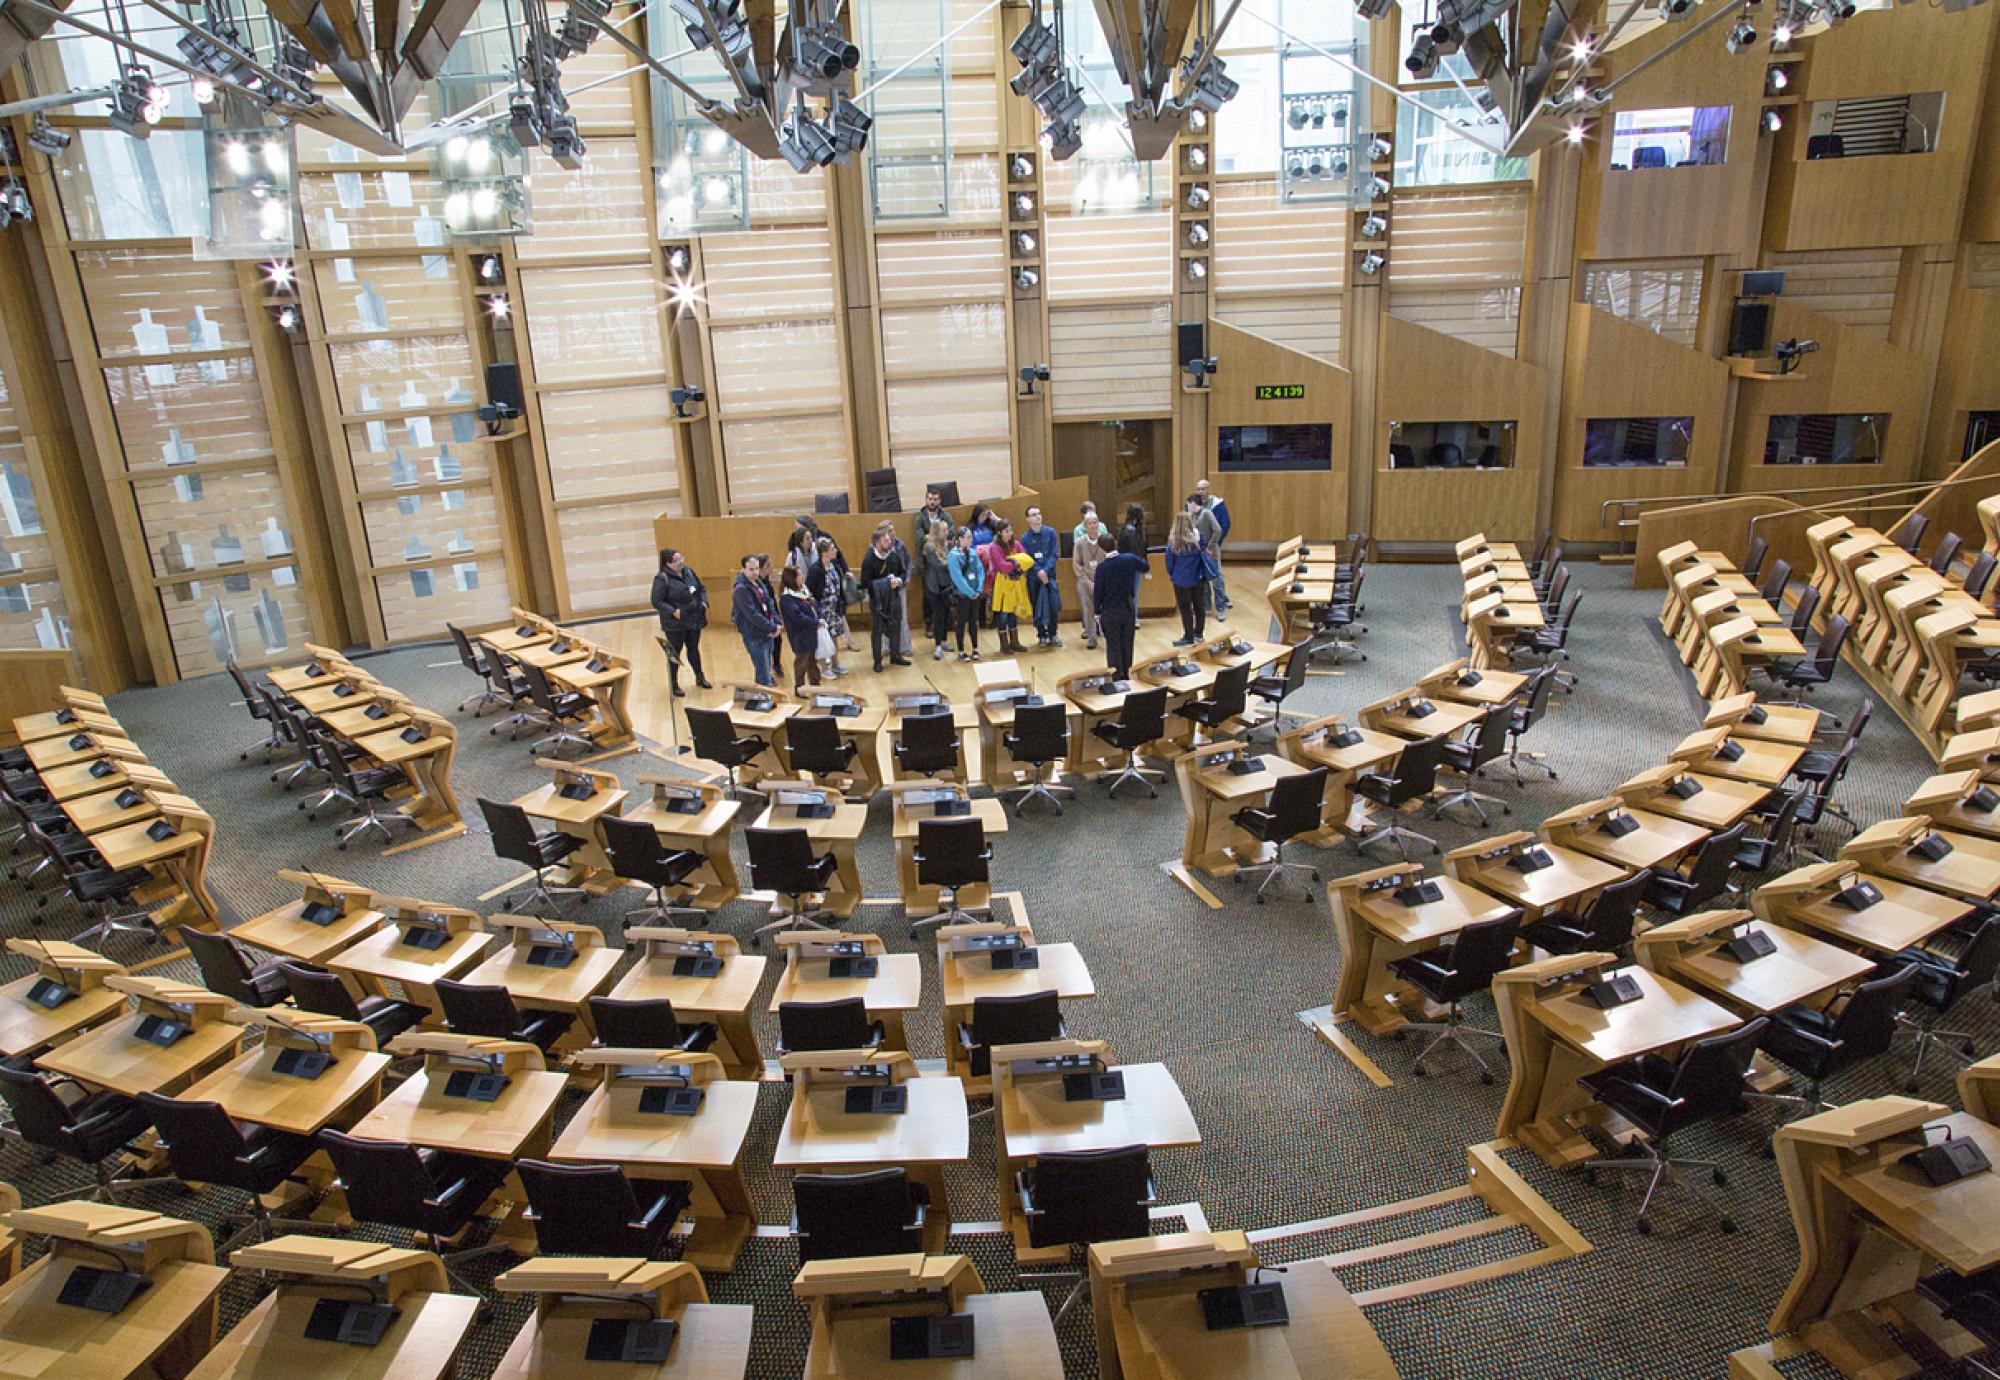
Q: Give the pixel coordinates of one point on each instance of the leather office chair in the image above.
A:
(1803, 673)
(1821, 803)
(1980, 574)
(1471, 755)
(842, 1216)
(58, 1116)
(927, 744)
(1753, 559)
(1544, 579)
(1803, 611)
(1662, 1097)
(1142, 719)
(392, 1184)
(1450, 973)
(1335, 619)
(473, 1008)
(1909, 533)
(1762, 854)
(316, 990)
(204, 1146)
(496, 687)
(647, 1025)
(1527, 711)
(1412, 778)
(783, 861)
(1274, 690)
(951, 854)
(564, 710)
(1606, 926)
(367, 789)
(1819, 1044)
(1973, 1302)
(637, 855)
(1295, 808)
(595, 1210)
(1024, 1020)
(804, 1026)
(1549, 644)
(1552, 601)
(259, 710)
(817, 747)
(1705, 877)
(1946, 553)
(224, 969)
(516, 839)
(715, 740)
(1039, 737)
(1941, 983)
(287, 723)
(1227, 699)
(107, 897)
(1080, 1197)
(1817, 764)
(1776, 583)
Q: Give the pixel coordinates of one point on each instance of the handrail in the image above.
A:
(1863, 490)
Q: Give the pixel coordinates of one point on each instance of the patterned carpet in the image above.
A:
(1292, 1132)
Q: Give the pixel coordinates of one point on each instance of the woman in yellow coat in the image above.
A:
(1007, 566)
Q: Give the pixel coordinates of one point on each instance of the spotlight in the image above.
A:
(1297, 114)
(1771, 122)
(1029, 374)
(1061, 101)
(1197, 120)
(1199, 371)
(566, 146)
(1378, 188)
(1062, 139)
(824, 53)
(1372, 227)
(1316, 163)
(1776, 79)
(1742, 34)
(1023, 167)
(524, 122)
(1025, 278)
(288, 319)
(487, 267)
(497, 306)
(1781, 35)
(1197, 234)
(204, 91)
(681, 397)
(850, 128)
(133, 109)
(46, 139)
(14, 205)
(1197, 269)
(1024, 244)
(1213, 89)
(1371, 262)
(677, 260)
(1573, 135)
(1671, 10)
(1197, 157)
(1024, 204)
(1295, 169)
(804, 142)
(1372, 9)
(1338, 167)
(1580, 51)
(280, 274)
(1035, 45)
(1379, 148)
(1198, 197)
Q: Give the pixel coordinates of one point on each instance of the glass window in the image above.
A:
(1262, 449)
(1871, 126)
(1451, 445)
(17, 501)
(1982, 429)
(1625, 442)
(1682, 136)
(116, 187)
(1431, 152)
(1826, 438)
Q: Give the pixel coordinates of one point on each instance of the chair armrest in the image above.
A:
(1152, 1198)
(451, 1191)
(920, 1211)
(1026, 1194)
(660, 1204)
(88, 1124)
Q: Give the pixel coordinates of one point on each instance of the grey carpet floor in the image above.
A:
(1292, 1132)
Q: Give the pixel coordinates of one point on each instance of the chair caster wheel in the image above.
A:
(1235, 879)
(1967, 1050)
(340, 848)
(1420, 1071)
(1718, 1178)
(1436, 849)
(1554, 777)
(1590, 1177)
(1316, 874)
(1910, 1087)
(1506, 809)
(1260, 899)
(1728, 1225)
(1769, 1152)
(1645, 1227)
(1487, 1079)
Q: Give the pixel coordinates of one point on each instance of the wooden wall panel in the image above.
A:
(430, 371)
(1111, 361)
(588, 325)
(1663, 295)
(421, 292)
(604, 207)
(1273, 507)
(1966, 379)
(1856, 287)
(607, 442)
(159, 302)
(417, 603)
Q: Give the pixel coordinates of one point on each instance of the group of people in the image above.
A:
(981, 575)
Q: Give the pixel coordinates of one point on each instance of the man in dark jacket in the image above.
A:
(681, 600)
(885, 571)
(1117, 596)
(755, 615)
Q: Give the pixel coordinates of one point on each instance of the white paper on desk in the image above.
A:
(396, 185)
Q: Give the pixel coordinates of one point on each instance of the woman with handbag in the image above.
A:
(833, 588)
(802, 627)
(681, 601)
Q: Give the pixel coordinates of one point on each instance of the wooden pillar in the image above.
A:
(1027, 315)
(1194, 446)
(1546, 292)
(848, 223)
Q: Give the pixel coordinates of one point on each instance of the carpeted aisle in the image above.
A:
(1292, 1131)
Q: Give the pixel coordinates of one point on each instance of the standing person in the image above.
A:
(1008, 585)
(1083, 516)
(1220, 511)
(768, 574)
(799, 546)
(985, 522)
(1116, 593)
(681, 600)
(1084, 559)
(1210, 534)
(755, 615)
(968, 582)
(800, 615)
(936, 563)
(904, 642)
(884, 573)
(1187, 567)
(1132, 537)
(920, 533)
(1044, 587)
(826, 581)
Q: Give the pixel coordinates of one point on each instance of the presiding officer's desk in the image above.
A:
(694, 815)
(1799, 968)
(1318, 743)
(118, 1056)
(162, 1331)
(1376, 924)
(985, 960)
(258, 1087)
(914, 801)
(1033, 1115)
(889, 995)
(1869, 1224)
(65, 994)
(270, 1343)
(1555, 1035)
(1776, 723)
(329, 915)
(418, 943)
(1212, 792)
(1410, 715)
(833, 826)
(1713, 752)
(549, 965)
(1496, 865)
(1674, 790)
(1596, 827)
(704, 1150)
(711, 1341)
(673, 966)
(1959, 801)
(1146, 1304)
(858, 721)
(820, 1135)
(426, 1110)
(853, 1301)
(1966, 866)
(1810, 898)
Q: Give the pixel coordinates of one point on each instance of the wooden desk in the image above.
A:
(360, 721)
(1211, 794)
(542, 988)
(93, 814)
(517, 636)
(1445, 717)
(1374, 929)
(164, 1329)
(427, 764)
(967, 974)
(80, 747)
(996, 707)
(1760, 761)
(1311, 745)
(1970, 871)
(1906, 915)
(113, 1056)
(863, 728)
(837, 834)
(1799, 969)
(705, 1149)
(1659, 840)
(724, 999)
(64, 723)
(516, 1123)
(1014, 1339)
(384, 964)
(1554, 1037)
(342, 694)
(1570, 877)
(285, 933)
(1950, 801)
(27, 1027)
(704, 828)
(251, 1090)
(178, 862)
(1449, 682)
(919, 898)
(589, 866)
(712, 1341)
(1719, 803)
(608, 681)
(892, 993)
(1781, 723)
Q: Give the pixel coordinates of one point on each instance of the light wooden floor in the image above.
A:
(723, 658)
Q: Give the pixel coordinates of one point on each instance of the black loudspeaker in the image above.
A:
(503, 387)
(1194, 341)
(1750, 328)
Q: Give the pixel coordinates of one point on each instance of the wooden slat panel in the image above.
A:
(1264, 245)
(402, 451)
(1856, 287)
(763, 271)
(982, 470)
(618, 538)
(607, 105)
(369, 207)
(777, 465)
(918, 338)
(419, 527)
(314, 147)
(148, 303)
(1111, 361)
(24, 540)
(605, 442)
(1487, 317)
(1108, 256)
(591, 323)
(1661, 294)
(1447, 238)
(971, 191)
(777, 191)
(967, 265)
(32, 616)
(419, 603)
(1983, 267)
(208, 522)
(604, 207)
(934, 412)
(256, 619)
(777, 364)
(207, 410)
(420, 292)
(1308, 322)
(425, 370)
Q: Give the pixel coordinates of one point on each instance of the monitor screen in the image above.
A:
(1297, 446)
(1764, 283)
(1629, 441)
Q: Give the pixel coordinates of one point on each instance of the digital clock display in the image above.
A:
(1275, 392)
